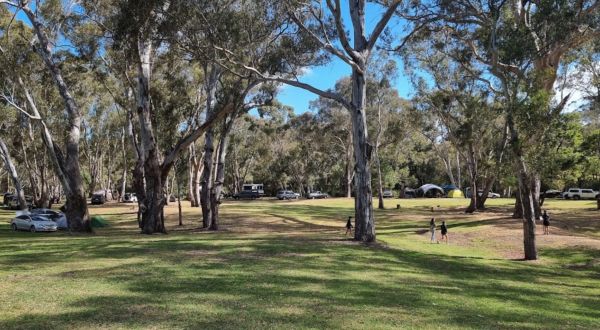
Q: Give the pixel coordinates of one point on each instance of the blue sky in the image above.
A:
(324, 77)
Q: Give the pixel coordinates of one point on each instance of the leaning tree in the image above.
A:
(46, 20)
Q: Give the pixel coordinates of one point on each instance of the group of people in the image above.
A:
(443, 230)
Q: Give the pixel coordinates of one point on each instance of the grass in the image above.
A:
(288, 265)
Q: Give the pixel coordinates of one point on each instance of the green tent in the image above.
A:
(455, 194)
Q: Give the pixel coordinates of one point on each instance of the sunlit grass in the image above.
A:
(287, 264)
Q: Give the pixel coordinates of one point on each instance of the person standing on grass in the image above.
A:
(444, 230)
(546, 223)
(349, 226)
(432, 229)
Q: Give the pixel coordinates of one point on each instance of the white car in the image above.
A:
(493, 195)
(130, 198)
(387, 193)
(33, 223)
(56, 216)
(578, 193)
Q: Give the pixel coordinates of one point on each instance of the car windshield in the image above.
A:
(39, 218)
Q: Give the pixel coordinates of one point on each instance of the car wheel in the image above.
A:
(576, 197)
(14, 226)
(32, 229)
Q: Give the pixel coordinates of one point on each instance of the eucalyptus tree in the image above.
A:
(313, 25)
(47, 20)
(522, 45)
(146, 32)
(455, 95)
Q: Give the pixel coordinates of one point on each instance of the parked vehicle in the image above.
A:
(58, 217)
(409, 193)
(490, 194)
(480, 192)
(33, 223)
(13, 202)
(247, 194)
(258, 187)
(98, 199)
(317, 195)
(287, 194)
(130, 198)
(388, 193)
(578, 193)
(553, 193)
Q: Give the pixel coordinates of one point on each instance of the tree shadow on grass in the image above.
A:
(287, 283)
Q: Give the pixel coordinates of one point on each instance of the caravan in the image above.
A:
(256, 187)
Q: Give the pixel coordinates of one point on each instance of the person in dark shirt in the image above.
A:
(444, 230)
(349, 226)
(546, 223)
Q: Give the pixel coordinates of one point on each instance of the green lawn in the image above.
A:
(288, 265)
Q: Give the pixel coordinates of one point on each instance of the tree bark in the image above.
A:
(124, 174)
(518, 210)
(212, 73)
(349, 167)
(364, 218)
(153, 201)
(377, 140)
(217, 187)
(12, 172)
(536, 186)
(484, 194)
(526, 195)
(473, 174)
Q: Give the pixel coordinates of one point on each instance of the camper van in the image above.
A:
(258, 187)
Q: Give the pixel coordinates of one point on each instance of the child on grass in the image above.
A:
(546, 223)
(444, 230)
(349, 226)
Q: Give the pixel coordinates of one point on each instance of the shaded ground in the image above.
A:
(288, 265)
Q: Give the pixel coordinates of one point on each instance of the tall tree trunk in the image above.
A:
(484, 194)
(459, 179)
(364, 218)
(124, 174)
(180, 214)
(536, 186)
(527, 203)
(363, 212)
(76, 205)
(190, 182)
(197, 177)
(518, 210)
(217, 187)
(526, 195)
(212, 73)
(206, 179)
(473, 174)
(12, 172)
(153, 201)
(377, 140)
(349, 167)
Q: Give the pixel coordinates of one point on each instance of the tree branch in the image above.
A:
(381, 24)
